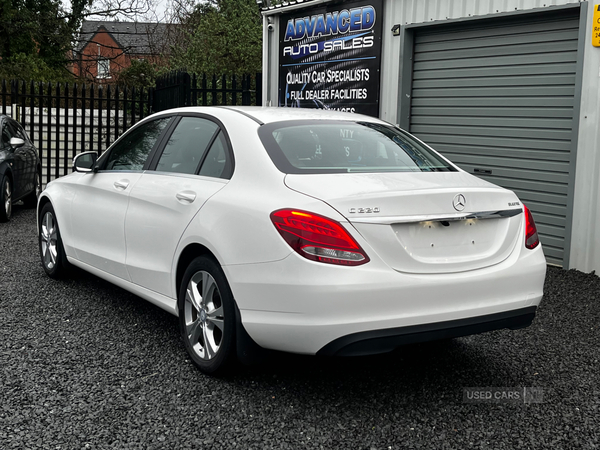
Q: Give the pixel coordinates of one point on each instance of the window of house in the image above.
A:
(103, 68)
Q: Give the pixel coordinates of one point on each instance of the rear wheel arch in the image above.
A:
(207, 316)
(31, 199)
(248, 352)
(188, 254)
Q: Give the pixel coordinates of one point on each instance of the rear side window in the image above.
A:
(131, 152)
(217, 164)
(186, 146)
(339, 146)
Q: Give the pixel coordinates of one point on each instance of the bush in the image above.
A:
(140, 74)
(31, 67)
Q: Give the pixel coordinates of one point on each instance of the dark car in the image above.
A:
(20, 168)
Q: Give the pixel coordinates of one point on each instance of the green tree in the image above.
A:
(140, 73)
(31, 67)
(36, 36)
(38, 31)
(220, 36)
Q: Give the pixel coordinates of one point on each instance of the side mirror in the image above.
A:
(16, 142)
(85, 162)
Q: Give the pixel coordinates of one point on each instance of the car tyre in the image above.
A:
(30, 200)
(5, 199)
(207, 316)
(52, 252)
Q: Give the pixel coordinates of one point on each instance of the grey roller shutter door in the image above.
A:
(497, 98)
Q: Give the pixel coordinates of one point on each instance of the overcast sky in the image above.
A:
(156, 14)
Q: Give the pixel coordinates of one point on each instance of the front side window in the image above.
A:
(187, 145)
(6, 136)
(18, 131)
(340, 146)
(131, 152)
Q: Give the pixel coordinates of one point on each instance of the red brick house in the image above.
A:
(106, 48)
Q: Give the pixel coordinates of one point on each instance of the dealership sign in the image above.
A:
(330, 57)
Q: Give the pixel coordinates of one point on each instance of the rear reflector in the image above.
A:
(531, 235)
(318, 238)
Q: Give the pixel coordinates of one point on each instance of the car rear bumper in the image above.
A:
(300, 306)
(382, 341)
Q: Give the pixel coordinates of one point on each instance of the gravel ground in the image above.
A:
(86, 365)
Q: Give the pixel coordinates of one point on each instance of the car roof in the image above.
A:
(267, 114)
(270, 114)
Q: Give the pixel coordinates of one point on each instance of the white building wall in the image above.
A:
(585, 237)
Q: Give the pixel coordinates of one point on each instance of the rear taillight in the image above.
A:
(531, 235)
(318, 238)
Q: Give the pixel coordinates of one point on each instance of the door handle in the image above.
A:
(121, 185)
(186, 196)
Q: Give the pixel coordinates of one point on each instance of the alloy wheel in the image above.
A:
(204, 315)
(48, 240)
(7, 198)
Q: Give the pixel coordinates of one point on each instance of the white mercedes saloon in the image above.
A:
(304, 231)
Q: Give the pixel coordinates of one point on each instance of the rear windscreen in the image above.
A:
(323, 146)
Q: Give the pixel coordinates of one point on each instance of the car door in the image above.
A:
(25, 158)
(16, 163)
(101, 198)
(195, 164)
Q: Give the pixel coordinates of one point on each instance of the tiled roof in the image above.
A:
(133, 37)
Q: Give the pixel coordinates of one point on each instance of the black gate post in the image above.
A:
(14, 99)
(172, 90)
(259, 89)
(185, 84)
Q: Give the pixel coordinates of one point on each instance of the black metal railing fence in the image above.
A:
(180, 88)
(64, 119)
